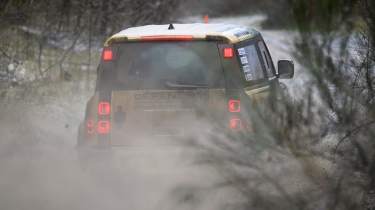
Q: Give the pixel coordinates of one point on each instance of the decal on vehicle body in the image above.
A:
(241, 51)
(244, 60)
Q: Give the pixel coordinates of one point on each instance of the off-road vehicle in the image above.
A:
(163, 80)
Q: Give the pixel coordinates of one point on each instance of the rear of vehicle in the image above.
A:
(162, 86)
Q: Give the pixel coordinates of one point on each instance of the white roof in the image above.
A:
(181, 29)
(197, 30)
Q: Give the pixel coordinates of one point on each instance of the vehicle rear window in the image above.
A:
(162, 65)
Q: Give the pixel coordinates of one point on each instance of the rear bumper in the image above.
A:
(143, 138)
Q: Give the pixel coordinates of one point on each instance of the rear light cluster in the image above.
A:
(107, 54)
(90, 127)
(103, 126)
(235, 123)
(104, 112)
(104, 108)
(228, 52)
(234, 107)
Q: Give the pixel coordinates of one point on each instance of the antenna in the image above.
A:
(171, 27)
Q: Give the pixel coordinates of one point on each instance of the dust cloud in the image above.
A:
(41, 167)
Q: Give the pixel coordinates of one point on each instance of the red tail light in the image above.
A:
(167, 38)
(104, 127)
(90, 127)
(228, 52)
(234, 105)
(235, 124)
(104, 108)
(107, 54)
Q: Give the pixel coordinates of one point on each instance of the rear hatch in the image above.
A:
(161, 89)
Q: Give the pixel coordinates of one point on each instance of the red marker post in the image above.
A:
(205, 18)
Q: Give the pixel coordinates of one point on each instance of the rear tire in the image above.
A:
(89, 157)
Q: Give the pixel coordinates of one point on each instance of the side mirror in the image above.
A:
(285, 69)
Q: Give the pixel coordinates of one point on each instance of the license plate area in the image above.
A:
(170, 122)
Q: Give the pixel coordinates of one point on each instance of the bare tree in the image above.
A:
(329, 133)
